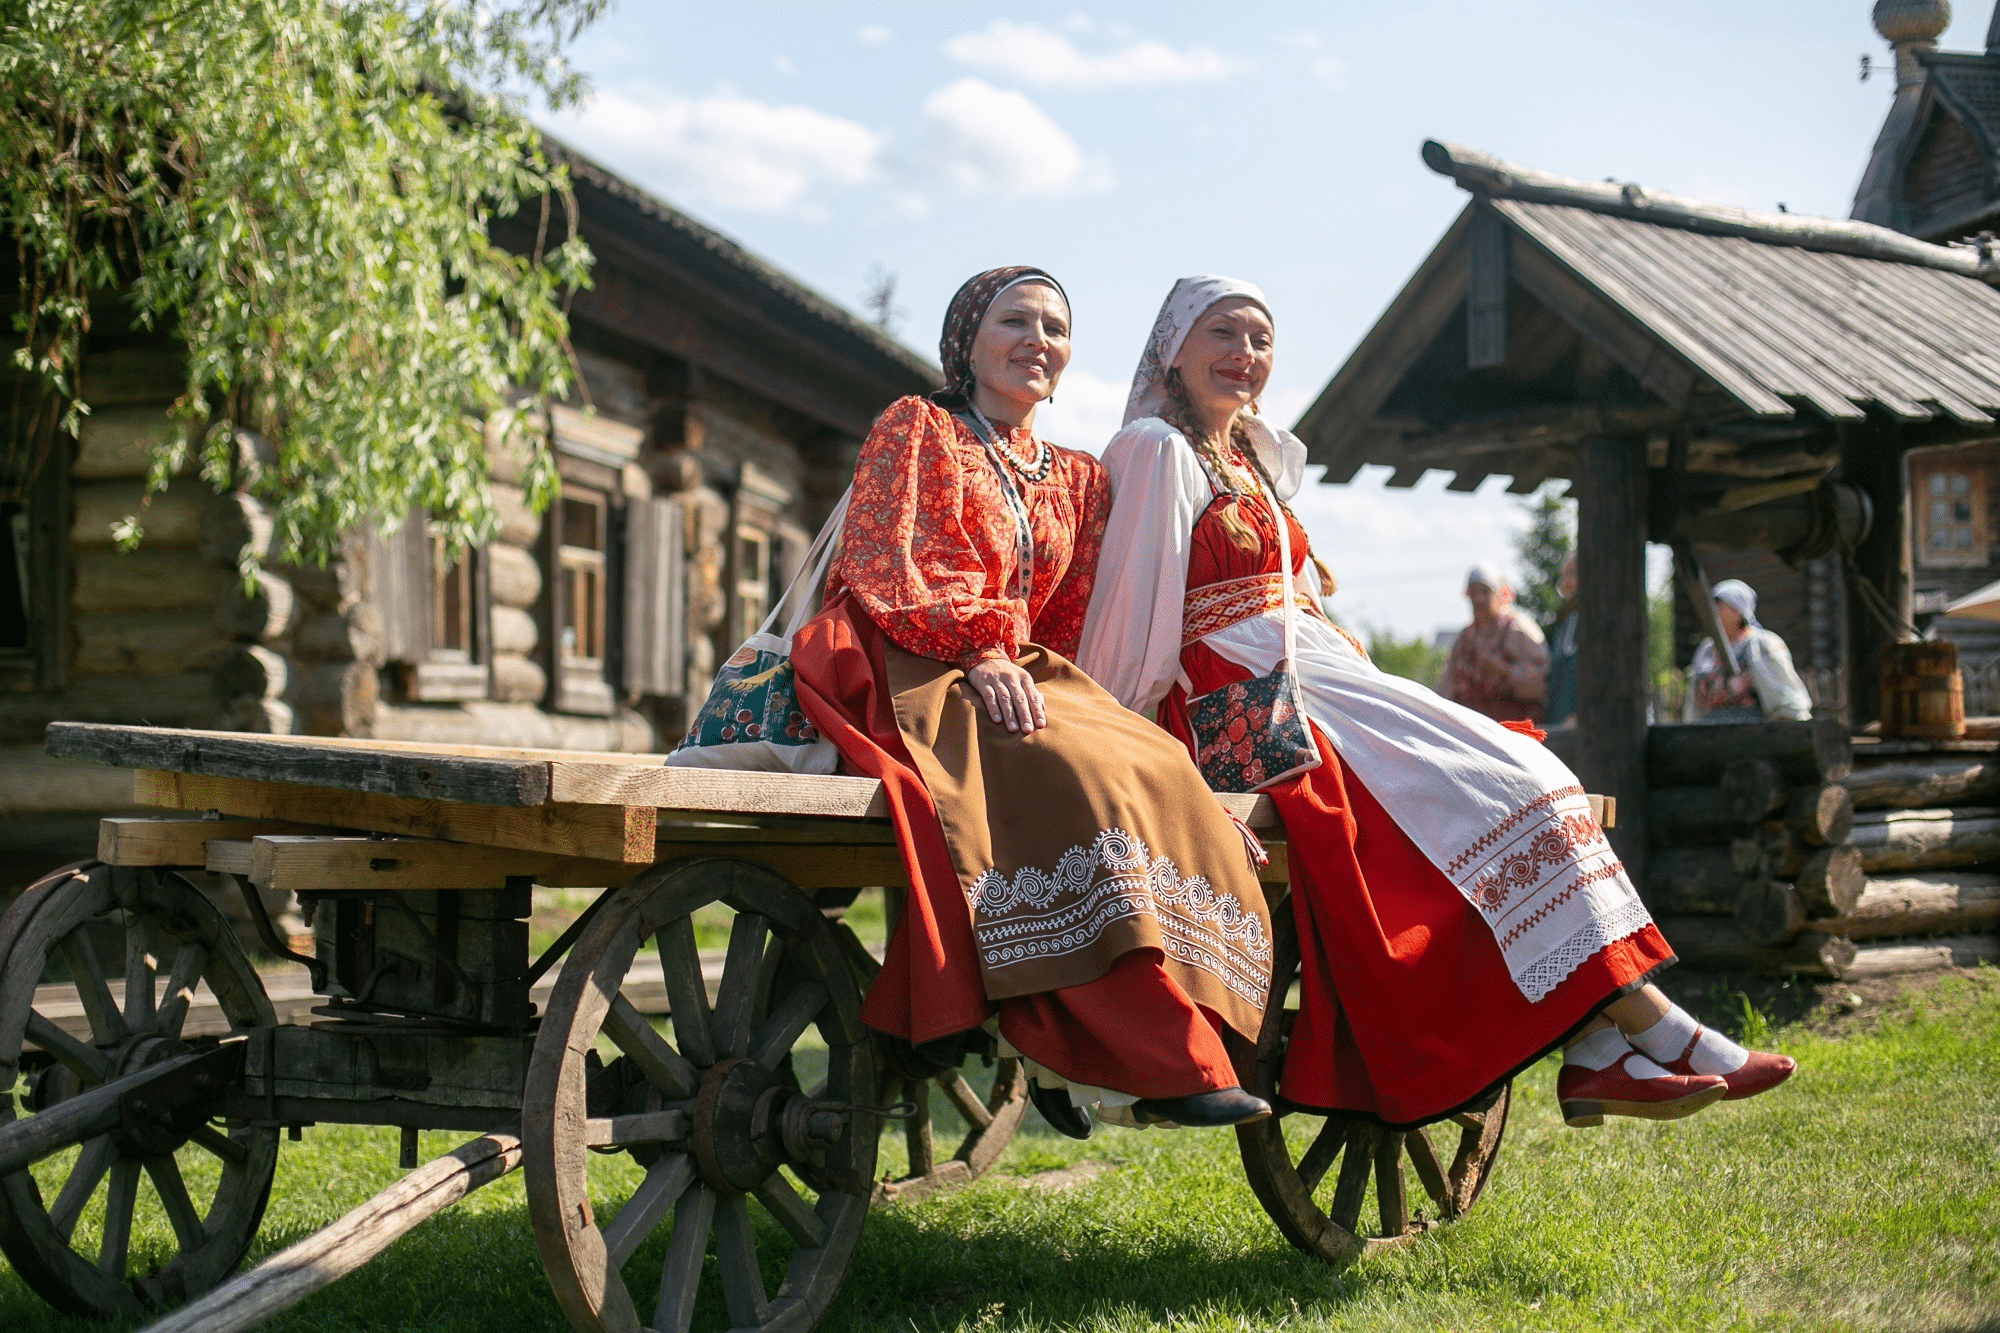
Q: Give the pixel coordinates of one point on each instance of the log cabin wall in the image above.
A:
(720, 410)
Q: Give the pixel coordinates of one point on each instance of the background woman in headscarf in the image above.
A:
(1459, 911)
(1069, 871)
(1498, 664)
(1764, 685)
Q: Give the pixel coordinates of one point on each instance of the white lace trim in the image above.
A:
(1603, 928)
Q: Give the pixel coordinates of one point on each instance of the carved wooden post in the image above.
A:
(1612, 678)
(1874, 460)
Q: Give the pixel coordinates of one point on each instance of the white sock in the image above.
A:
(1713, 1053)
(1606, 1047)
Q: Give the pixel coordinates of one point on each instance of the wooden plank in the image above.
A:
(594, 832)
(227, 856)
(1611, 716)
(150, 840)
(305, 864)
(424, 774)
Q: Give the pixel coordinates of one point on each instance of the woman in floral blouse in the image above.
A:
(1070, 874)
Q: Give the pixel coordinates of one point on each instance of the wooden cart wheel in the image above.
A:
(714, 1116)
(991, 1122)
(172, 934)
(1317, 1207)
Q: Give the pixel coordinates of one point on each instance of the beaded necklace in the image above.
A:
(1024, 533)
(1044, 459)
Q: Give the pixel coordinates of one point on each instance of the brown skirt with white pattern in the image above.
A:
(1084, 840)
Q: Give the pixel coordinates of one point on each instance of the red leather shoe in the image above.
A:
(1588, 1095)
(1762, 1072)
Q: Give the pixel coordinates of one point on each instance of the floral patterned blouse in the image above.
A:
(929, 547)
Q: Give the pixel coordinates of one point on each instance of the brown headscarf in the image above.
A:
(961, 325)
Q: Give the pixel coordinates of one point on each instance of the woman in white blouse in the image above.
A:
(1460, 913)
(1763, 684)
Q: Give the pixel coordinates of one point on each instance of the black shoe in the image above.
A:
(1226, 1106)
(1063, 1115)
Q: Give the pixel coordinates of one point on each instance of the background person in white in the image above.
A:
(1764, 687)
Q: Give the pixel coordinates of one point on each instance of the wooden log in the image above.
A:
(519, 525)
(518, 679)
(145, 643)
(1768, 852)
(1712, 944)
(513, 576)
(254, 670)
(1695, 755)
(1769, 911)
(1889, 960)
(1831, 881)
(117, 443)
(1610, 481)
(1822, 815)
(170, 518)
(1755, 788)
(514, 631)
(145, 580)
(334, 1251)
(264, 614)
(1925, 904)
(1691, 817)
(594, 832)
(1695, 881)
(1926, 839)
(1915, 783)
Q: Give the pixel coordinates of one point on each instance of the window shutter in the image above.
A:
(655, 616)
(403, 592)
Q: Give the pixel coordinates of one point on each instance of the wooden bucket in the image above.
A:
(1923, 696)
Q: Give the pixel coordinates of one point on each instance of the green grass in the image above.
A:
(1863, 1195)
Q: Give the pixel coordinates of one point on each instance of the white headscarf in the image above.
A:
(1282, 453)
(1488, 573)
(1740, 597)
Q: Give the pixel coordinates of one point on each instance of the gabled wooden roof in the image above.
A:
(1556, 309)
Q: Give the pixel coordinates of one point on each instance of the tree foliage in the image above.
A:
(1414, 658)
(1541, 549)
(300, 192)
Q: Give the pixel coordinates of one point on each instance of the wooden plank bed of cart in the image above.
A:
(415, 863)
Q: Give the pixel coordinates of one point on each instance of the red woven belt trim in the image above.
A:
(1217, 606)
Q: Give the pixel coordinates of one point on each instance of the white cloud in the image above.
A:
(1033, 54)
(873, 35)
(1086, 413)
(987, 140)
(727, 149)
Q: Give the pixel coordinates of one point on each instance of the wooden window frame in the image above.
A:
(1924, 469)
(410, 585)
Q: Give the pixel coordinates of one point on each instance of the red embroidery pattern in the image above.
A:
(1610, 870)
(1217, 606)
(1465, 858)
(1564, 840)
(928, 546)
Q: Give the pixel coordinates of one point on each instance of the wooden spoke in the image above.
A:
(91, 1164)
(119, 1201)
(182, 978)
(680, 1278)
(736, 1256)
(139, 965)
(1389, 1184)
(687, 996)
(86, 1062)
(107, 1025)
(632, 1032)
(787, 1021)
(1318, 1157)
(917, 1129)
(736, 999)
(220, 1145)
(1353, 1181)
(1429, 1170)
(167, 1183)
(965, 1100)
(659, 1191)
(794, 1214)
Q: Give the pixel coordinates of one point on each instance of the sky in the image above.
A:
(1121, 146)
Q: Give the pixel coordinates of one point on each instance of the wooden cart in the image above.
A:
(414, 864)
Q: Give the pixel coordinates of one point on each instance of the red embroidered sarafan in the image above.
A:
(929, 545)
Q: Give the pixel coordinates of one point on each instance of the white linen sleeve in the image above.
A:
(1779, 689)
(1132, 633)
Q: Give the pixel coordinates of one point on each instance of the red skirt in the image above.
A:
(1406, 1008)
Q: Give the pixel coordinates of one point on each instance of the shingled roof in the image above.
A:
(1714, 315)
